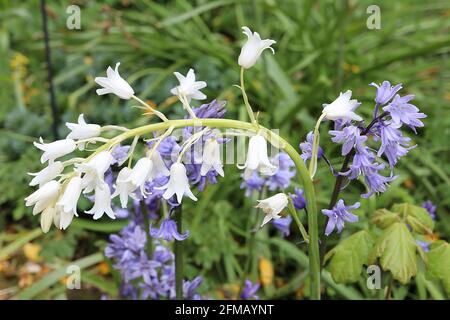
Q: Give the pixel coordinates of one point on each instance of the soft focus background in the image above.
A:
(323, 47)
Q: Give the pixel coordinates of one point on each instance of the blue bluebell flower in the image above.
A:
(385, 92)
(402, 112)
(168, 231)
(249, 290)
(424, 245)
(431, 208)
(283, 224)
(298, 199)
(285, 172)
(306, 147)
(350, 136)
(339, 215)
(393, 144)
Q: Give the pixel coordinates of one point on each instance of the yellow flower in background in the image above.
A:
(265, 271)
(31, 251)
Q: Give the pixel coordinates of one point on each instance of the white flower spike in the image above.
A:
(47, 174)
(211, 158)
(102, 202)
(342, 108)
(178, 183)
(67, 205)
(188, 87)
(252, 49)
(124, 188)
(114, 83)
(82, 130)
(257, 158)
(55, 149)
(272, 206)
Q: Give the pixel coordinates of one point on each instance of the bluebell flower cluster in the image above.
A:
(386, 129)
(170, 147)
(146, 276)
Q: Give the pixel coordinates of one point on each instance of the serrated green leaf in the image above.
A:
(417, 217)
(384, 218)
(396, 249)
(439, 262)
(349, 257)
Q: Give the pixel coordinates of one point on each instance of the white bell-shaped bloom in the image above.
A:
(188, 86)
(47, 174)
(82, 130)
(114, 83)
(257, 158)
(94, 170)
(342, 108)
(43, 197)
(159, 167)
(211, 157)
(253, 48)
(55, 149)
(123, 187)
(67, 204)
(102, 202)
(272, 206)
(47, 217)
(140, 174)
(178, 183)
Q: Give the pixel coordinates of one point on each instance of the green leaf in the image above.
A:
(19, 243)
(396, 248)
(417, 217)
(349, 257)
(384, 218)
(54, 276)
(439, 262)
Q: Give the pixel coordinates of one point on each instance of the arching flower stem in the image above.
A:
(244, 95)
(156, 112)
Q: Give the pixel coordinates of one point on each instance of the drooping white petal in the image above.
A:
(342, 108)
(114, 83)
(94, 170)
(141, 173)
(188, 87)
(67, 204)
(257, 158)
(55, 149)
(252, 49)
(47, 217)
(82, 130)
(272, 206)
(47, 174)
(102, 202)
(178, 183)
(47, 192)
(124, 187)
(211, 158)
